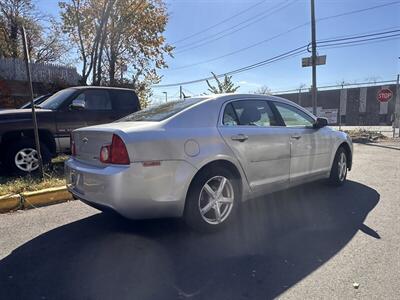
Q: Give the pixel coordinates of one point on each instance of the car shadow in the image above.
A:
(275, 242)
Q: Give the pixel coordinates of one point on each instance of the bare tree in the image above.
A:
(45, 44)
(263, 90)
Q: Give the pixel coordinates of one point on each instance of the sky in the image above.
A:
(196, 43)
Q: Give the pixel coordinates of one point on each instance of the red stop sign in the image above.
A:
(384, 95)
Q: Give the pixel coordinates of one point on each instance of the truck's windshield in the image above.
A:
(57, 99)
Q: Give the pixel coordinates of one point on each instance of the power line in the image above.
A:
(357, 36)
(359, 10)
(355, 44)
(282, 56)
(281, 34)
(263, 41)
(241, 49)
(194, 45)
(359, 41)
(219, 23)
(366, 32)
(249, 21)
(296, 90)
(288, 54)
(295, 51)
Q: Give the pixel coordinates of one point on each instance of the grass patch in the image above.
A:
(28, 184)
(54, 177)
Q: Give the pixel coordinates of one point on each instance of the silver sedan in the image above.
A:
(199, 158)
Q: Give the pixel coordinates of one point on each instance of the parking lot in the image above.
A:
(313, 241)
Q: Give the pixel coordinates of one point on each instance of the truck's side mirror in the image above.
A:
(321, 122)
(78, 104)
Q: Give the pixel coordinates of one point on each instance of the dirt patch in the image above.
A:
(366, 136)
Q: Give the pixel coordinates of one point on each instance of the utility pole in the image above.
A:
(314, 60)
(166, 96)
(35, 125)
(396, 119)
(299, 96)
(340, 114)
(180, 92)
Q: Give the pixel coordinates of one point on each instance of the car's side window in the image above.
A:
(124, 101)
(95, 100)
(292, 116)
(254, 113)
(230, 117)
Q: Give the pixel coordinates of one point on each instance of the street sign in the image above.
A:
(384, 95)
(307, 61)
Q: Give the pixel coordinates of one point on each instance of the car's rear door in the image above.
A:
(259, 142)
(310, 147)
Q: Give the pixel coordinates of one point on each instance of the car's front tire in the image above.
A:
(212, 199)
(21, 157)
(339, 168)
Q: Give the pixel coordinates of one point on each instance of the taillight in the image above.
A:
(115, 153)
(72, 145)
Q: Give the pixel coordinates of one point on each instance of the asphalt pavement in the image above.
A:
(310, 242)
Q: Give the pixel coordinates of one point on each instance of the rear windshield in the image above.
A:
(160, 112)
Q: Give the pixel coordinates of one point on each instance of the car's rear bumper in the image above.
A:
(134, 191)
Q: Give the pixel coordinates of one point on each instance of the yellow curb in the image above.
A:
(46, 197)
(9, 202)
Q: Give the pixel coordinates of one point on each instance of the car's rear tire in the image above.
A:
(212, 199)
(339, 168)
(21, 157)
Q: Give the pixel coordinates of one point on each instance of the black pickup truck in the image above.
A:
(61, 113)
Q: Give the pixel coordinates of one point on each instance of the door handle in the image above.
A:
(239, 137)
(296, 137)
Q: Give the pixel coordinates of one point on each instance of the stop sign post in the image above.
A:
(384, 95)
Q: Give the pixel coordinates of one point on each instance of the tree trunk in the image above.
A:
(14, 39)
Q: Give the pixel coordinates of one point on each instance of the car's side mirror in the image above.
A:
(321, 122)
(78, 104)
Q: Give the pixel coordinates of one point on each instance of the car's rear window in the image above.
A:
(160, 112)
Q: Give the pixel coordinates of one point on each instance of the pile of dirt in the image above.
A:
(365, 136)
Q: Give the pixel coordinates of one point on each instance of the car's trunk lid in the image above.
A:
(89, 140)
(89, 143)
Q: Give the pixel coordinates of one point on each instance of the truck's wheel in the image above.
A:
(21, 157)
(212, 200)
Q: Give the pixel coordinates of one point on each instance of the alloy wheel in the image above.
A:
(216, 200)
(27, 160)
(342, 166)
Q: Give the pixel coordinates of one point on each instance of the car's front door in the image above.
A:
(97, 110)
(310, 147)
(259, 142)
